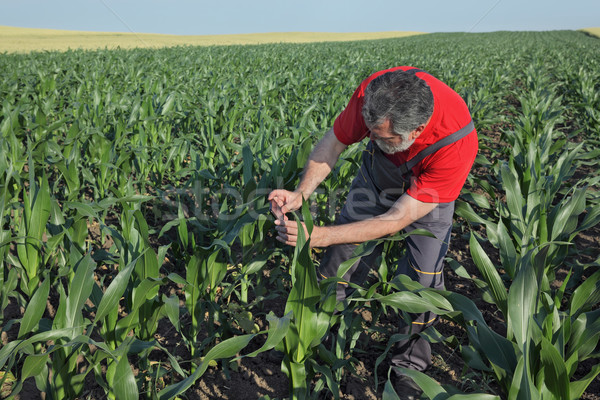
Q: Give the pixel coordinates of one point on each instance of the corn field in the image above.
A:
(138, 257)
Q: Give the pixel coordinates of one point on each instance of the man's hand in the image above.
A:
(320, 163)
(287, 231)
(284, 201)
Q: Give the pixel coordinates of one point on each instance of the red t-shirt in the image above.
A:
(440, 177)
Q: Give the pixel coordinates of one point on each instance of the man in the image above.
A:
(421, 149)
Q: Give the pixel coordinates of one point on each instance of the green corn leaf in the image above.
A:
(522, 386)
(79, 232)
(84, 209)
(110, 299)
(308, 221)
(278, 328)
(248, 165)
(585, 295)
(168, 105)
(124, 385)
(325, 312)
(7, 351)
(297, 374)
(591, 218)
(436, 299)
(182, 228)
(497, 349)
(36, 214)
(175, 278)
(172, 310)
(514, 197)
(473, 396)
(465, 211)
(521, 303)
(577, 388)
(227, 348)
(490, 274)
(566, 219)
(35, 309)
(257, 263)
(302, 302)
(555, 372)
(363, 249)
(430, 387)
(466, 306)
(214, 269)
(56, 214)
(395, 338)
(508, 252)
(60, 317)
(147, 266)
(585, 334)
(34, 365)
(146, 290)
(40, 209)
(326, 372)
(473, 358)
(80, 290)
(389, 393)
(409, 302)
(478, 199)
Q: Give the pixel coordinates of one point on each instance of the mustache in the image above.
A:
(391, 149)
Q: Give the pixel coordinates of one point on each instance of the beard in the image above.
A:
(391, 149)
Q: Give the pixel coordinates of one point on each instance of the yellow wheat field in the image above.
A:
(24, 40)
(592, 31)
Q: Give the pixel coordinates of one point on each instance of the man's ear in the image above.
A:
(417, 132)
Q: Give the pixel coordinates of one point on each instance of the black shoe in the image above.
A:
(405, 387)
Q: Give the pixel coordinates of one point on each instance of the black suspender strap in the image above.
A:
(455, 137)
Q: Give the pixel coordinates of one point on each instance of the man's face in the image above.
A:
(388, 141)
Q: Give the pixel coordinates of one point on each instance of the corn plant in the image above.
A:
(311, 307)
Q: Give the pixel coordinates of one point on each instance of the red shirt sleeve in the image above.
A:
(349, 127)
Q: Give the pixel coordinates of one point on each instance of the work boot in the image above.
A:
(405, 387)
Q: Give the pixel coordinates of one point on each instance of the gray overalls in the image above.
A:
(378, 184)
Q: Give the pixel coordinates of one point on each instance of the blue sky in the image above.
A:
(201, 17)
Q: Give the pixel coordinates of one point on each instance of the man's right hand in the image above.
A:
(284, 201)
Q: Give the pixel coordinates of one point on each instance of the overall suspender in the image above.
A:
(455, 137)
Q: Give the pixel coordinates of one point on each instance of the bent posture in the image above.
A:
(422, 146)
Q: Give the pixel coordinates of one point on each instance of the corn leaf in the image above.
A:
(555, 372)
(490, 274)
(114, 292)
(124, 385)
(278, 328)
(585, 295)
(521, 303)
(34, 365)
(578, 387)
(35, 309)
(80, 290)
(227, 348)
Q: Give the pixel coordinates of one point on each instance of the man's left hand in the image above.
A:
(287, 232)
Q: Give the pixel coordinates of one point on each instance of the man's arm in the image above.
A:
(320, 163)
(404, 212)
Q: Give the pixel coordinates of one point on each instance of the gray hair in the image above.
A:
(400, 97)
